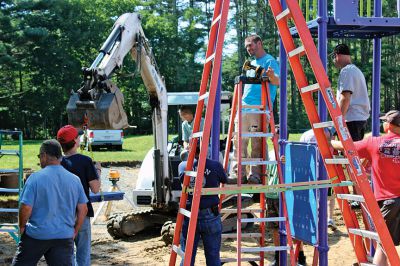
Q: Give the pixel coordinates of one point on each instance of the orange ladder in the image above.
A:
(212, 65)
(267, 118)
(333, 165)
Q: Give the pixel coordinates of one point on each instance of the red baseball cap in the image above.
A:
(67, 134)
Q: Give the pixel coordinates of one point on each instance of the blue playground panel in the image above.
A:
(106, 196)
(301, 166)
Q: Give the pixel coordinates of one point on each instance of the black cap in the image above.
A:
(51, 147)
(341, 49)
(392, 117)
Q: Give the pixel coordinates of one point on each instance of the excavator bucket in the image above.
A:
(106, 112)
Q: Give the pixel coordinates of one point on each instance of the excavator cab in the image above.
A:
(101, 107)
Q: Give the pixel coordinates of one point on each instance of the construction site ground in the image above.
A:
(147, 248)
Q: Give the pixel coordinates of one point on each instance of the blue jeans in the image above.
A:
(209, 229)
(83, 243)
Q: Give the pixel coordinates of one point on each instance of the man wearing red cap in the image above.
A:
(384, 154)
(89, 174)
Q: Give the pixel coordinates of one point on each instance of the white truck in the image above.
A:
(94, 139)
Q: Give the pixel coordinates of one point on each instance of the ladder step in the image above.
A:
(9, 190)
(178, 251)
(6, 171)
(215, 21)
(8, 224)
(263, 220)
(252, 106)
(358, 198)
(366, 264)
(298, 51)
(204, 96)
(364, 233)
(211, 57)
(324, 124)
(337, 161)
(8, 210)
(191, 173)
(9, 152)
(265, 249)
(247, 235)
(256, 161)
(243, 210)
(185, 212)
(283, 14)
(225, 260)
(197, 134)
(249, 111)
(256, 135)
(313, 87)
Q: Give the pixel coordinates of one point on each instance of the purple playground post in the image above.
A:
(216, 122)
(376, 74)
(323, 193)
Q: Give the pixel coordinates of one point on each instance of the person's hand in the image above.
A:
(21, 230)
(97, 165)
(270, 73)
(75, 232)
(283, 159)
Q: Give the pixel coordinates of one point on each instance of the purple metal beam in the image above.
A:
(376, 75)
(216, 122)
(323, 193)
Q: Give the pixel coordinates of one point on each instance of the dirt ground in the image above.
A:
(147, 248)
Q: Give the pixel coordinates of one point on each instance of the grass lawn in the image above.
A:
(134, 149)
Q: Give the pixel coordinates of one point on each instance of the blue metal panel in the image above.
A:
(301, 166)
(106, 196)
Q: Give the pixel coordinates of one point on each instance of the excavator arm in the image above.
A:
(98, 104)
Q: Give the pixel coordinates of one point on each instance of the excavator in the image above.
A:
(98, 104)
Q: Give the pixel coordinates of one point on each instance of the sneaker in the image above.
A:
(274, 263)
(355, 205)
(332, 225)
(254, 180)
(301, 261)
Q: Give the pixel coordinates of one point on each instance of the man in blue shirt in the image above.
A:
(252, 96)
(53, 207)
(209, 225)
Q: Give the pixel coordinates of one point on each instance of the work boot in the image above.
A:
(332, 225)
(302, 259)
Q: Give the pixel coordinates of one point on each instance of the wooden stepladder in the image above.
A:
(208, 88)
(333, 165)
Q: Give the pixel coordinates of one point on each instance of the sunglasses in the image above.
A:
(39, 155)
(332, 56)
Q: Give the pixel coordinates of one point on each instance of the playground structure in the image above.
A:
(346, 22)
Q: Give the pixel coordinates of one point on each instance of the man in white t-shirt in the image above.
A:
(352, 93)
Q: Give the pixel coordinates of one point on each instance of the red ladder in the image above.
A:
(267, 118)
(212, 65)
(333, 165)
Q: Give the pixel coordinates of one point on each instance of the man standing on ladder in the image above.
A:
(252, 96)
(384, 154)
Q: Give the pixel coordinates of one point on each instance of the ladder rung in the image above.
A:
(366, 264)
(358, 198)
(216, 20)
(9, 190)
(7, 224)
(225, 260)
(266, 249)
(364, 233)
(324, 124)
(247, 235)
(204, 96)
(283, 14)
(9, 152)
(337, 161)
(197, 134)
(296, 51)
(249, 111)
(252, 106)
(312, 87)
(243, 211)
(8, 210)
(185, 212)
(191, 173)
(178, 251)
(262, 220)
(256, 135)
(256, 161)
(211, 57)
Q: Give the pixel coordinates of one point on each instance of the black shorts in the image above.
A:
(272, 211)
(390, 210)
(356, 129)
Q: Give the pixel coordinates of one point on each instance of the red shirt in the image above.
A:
(384, 154)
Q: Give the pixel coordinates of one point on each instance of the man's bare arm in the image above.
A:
(25, 212)
(337, 145)
(344, 102)
(273, 79)
(81, 211)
